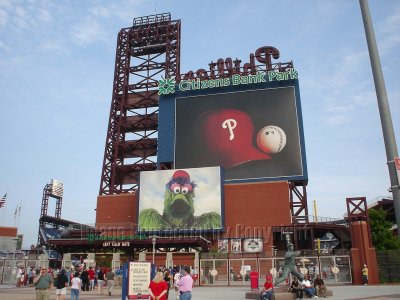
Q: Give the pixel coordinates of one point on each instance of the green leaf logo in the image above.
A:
(166, 86)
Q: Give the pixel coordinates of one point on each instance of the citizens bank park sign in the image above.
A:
(228, 72)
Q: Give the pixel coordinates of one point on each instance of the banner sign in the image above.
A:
(253, 245)
(167, 86)
(139, 280)
(236, 245)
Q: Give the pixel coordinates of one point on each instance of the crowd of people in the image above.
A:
(78, 279)
(165, 279)
(81, 279)
(299, 288)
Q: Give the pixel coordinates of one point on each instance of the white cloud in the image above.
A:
(100, 11)
(5, 3)
(389, 32)
(4, 47)
(392, 23)
(364, 98)
(336, 119)
(21, 18)
(44, 15)
(87, 32)
(52, 45)
(3, 18)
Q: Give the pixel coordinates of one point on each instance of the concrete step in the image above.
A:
(279, 295)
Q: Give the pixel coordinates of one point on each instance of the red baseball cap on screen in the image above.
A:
(228, 134)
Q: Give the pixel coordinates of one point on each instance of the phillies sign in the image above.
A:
(230, 72)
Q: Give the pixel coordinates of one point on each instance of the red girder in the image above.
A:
(140, 123)
(142, 99)
(129, 174)
(298, 203)
(357, 209)
(139, 148)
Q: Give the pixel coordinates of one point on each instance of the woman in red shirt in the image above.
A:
(158, 287)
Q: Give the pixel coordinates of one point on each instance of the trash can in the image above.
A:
(195, 277)
(254, 280)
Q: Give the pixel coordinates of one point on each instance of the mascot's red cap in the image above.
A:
(181, 173)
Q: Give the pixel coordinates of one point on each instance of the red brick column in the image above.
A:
(361, 253)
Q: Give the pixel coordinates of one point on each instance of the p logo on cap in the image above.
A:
(228, 134)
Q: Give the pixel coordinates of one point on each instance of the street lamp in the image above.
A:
(153, 240)
(273, 254)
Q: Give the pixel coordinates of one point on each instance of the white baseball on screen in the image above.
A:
(271, 139)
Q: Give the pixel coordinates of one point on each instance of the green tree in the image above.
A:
(382, 236)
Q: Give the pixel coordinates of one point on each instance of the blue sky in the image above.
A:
(56, 74)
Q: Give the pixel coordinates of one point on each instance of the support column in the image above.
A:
(66, 262)
(44, 260)
(362, 253)
(142, 256)
(91, 260)
(116, 261)
(169, 262)
(196, 266)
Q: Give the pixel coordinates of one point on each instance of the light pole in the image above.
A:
(154, 240)
(384, 111)
(44, 251)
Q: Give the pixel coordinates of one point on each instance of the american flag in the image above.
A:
(3, 200)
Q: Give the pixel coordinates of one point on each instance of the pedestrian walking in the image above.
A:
(364, 272)
(43, 282)
(76, 284)
(100, 281)
(185, 284)
(110, 278)
(61, 285)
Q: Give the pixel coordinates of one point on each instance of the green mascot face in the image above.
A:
(179, 195)
(178, 208)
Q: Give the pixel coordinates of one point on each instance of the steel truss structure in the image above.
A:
(146, 52)
(49, 191)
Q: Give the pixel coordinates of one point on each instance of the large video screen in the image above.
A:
(253, 134)
(171, 200)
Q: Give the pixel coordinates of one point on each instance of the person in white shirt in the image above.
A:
(308, 289)
(177, 276)
(76, 283)
(19, 275)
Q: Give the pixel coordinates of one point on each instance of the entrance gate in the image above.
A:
(334, 269)
(9, 269)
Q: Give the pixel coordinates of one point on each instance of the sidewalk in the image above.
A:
(350, 292)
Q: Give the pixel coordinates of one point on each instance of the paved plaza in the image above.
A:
(381, 292)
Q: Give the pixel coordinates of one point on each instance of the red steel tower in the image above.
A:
(146, 52)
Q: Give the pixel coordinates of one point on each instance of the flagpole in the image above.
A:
(3, 208)
(15, 215)
(19, 214)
